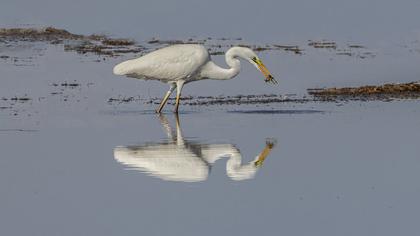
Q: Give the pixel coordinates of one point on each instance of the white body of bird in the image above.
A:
(184, 63)
(169, 64)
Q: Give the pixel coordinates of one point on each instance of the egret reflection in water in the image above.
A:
(178, 159)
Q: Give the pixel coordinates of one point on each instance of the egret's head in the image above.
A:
(251, 57)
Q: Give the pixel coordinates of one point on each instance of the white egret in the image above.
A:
(183, 160)
(184, 63)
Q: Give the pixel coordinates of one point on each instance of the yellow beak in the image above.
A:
(264, 70)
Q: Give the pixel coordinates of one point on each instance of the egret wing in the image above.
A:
(167, 64)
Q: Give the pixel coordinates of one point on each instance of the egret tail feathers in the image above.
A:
(123, 68)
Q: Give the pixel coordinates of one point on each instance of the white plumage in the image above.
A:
(168, 64)
(183, 63)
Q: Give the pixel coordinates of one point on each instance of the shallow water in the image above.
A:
(71, 162)
(336, 168)
(351, 169)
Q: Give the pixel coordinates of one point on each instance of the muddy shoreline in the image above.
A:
(95, 44)
(379, 92)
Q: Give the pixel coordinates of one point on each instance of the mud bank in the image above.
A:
(96, 44)
(379, 92)
(43, 34)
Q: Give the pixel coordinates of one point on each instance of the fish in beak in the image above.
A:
(268, 77)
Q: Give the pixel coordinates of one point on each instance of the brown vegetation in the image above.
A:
(386, 91)
(97, 44)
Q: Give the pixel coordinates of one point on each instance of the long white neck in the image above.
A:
(213, 71)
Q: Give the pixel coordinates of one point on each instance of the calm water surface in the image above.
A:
(351, 170)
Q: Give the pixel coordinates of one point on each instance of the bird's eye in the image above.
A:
(254, 59)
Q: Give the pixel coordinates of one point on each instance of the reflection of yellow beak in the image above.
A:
(264, 70)
(268, 146)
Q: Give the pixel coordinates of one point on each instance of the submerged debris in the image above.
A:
(12, 105)
(215, 100)
(294, 49)
(350, 50)
(322, 44)
(20, 99)
(356, 46)
(18, 130)
(118, 42)
(168, 42)
(156, 41)
(67, 84)
(380, 92)
(123, 99)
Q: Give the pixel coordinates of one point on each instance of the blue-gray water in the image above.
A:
(349, 168)
(267, 20)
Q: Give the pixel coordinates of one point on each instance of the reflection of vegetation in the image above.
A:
(178, 159)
